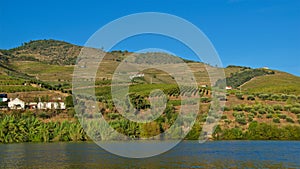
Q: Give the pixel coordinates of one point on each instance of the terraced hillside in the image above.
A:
(280, 82)
(45, 68)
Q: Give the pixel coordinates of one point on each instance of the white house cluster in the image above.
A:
(18, 104)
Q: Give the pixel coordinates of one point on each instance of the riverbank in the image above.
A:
(28, 128)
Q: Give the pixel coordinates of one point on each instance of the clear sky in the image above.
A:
(254, 33)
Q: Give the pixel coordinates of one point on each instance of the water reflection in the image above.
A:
(232, 154)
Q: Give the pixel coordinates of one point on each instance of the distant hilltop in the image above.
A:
(49, 64)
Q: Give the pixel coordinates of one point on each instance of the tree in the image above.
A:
(69, 101)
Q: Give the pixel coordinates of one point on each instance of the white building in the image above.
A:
(228, 88)
(16, 104)
(51, 105)
(136, 75)
(204, 86)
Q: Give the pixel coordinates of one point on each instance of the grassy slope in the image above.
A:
(43, 71)
(61, 53)
(48, 51)
(280, 82)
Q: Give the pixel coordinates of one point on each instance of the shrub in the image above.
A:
(239, 96)
(226, 108)
(276, 120)
(295, 110)
(297, 105)
(288, 107)
(290, 120)
(238, 108)
(269, 109)
(284, 97)
(250, 119)
(44, 115)
(205, 99)
(264, 96)
(275, 97)
(251, 115)
(71, 112)
(251, 97)
(293, 97)
(240, 118)
(269, 116)
(282, 116)
(262, 111)
(277, 112)
(247, 108)
(227, 121)
(253, 112)
(257, 107)
(298, 116)
(278, 107)
(235, 114)
(224, 117)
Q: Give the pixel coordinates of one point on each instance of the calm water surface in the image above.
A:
(188, 154)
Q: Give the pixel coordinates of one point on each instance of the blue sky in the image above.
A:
(252, 33)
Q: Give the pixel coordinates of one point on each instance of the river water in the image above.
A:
(188, 154)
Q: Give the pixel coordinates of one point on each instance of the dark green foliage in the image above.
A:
(288, 119)
(238, 108)
(260, 131)
(276, 120)
(269, 116)
(282, 116)
(69, 101)
(288, 107)
(295, 110)
(226, 108)
(239, 78)
(247, 108)
(53, 52)
(278, 107)
(21, 128)
(224, 117)
(263, 131)
(250, 119)
(240, 118)
(262, 111)
(264, 96)
(232, 134)
(205, 100)
(71, 112)
(251, 97)
(275, 97)
(239, 96)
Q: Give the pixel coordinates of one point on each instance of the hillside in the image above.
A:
(45, 68)
(46, 51)
(280, 82)
(52, 62)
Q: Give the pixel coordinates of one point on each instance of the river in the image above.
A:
(188, 154)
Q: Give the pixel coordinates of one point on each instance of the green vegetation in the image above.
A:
(239, 78)
(260, 131)
(48, 51)
(263, 104)
(278, 83)
(30, 129)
